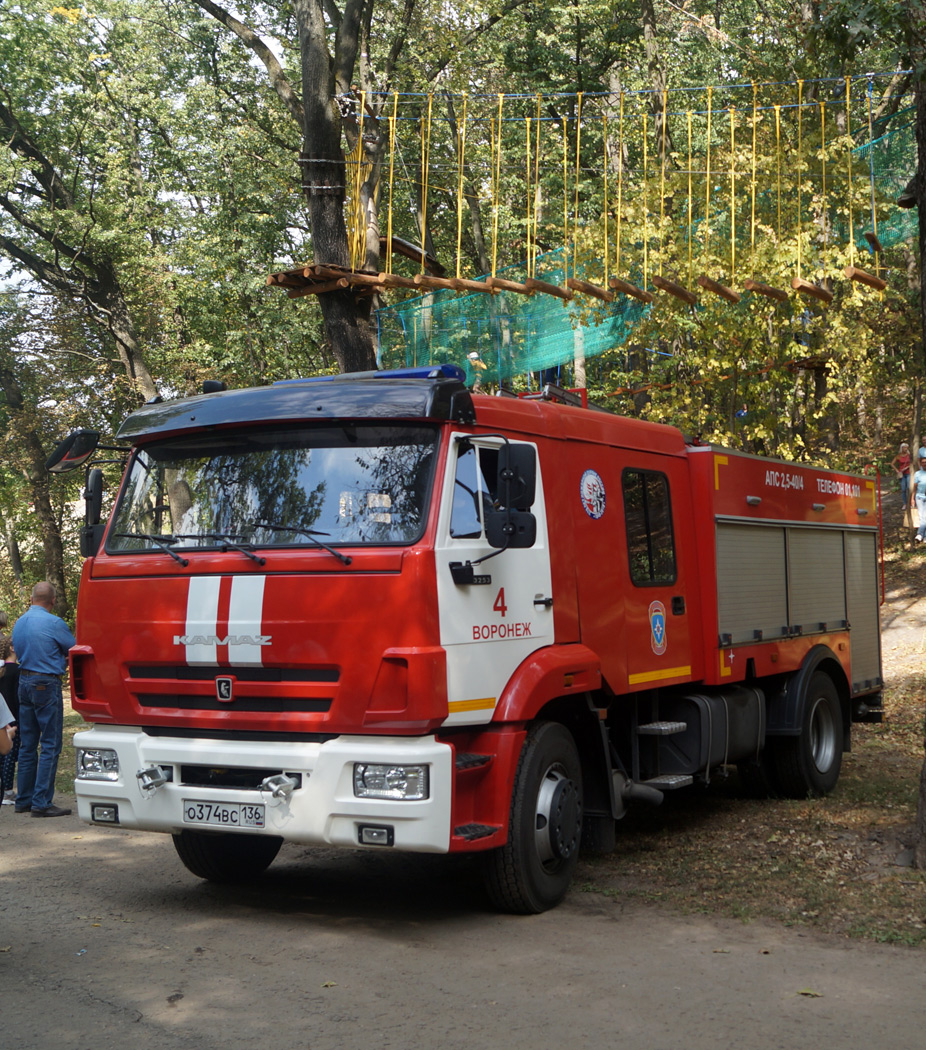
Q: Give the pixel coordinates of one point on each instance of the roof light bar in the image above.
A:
(445, 371)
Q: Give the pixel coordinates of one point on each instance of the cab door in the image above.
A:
(490, 625)
(657, 625)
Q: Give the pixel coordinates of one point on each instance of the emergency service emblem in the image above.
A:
(224, 691)
(657, 627)
(591, 492)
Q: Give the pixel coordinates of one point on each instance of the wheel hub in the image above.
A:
(558, 817)
(823, 741)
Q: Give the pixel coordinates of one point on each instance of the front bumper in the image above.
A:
(323, 810)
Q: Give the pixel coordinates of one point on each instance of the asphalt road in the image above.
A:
(107, 942)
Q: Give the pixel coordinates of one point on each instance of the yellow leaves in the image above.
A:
(70, 14)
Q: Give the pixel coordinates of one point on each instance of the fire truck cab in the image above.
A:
(384, 612)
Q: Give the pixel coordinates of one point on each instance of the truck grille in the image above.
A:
(268, 690)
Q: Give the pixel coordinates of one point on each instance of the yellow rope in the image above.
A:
(800, 170)
(575, 209)
(707, 183)
(358, 240)
(752, 217)
(392, 128)
(565, 196)
(690, 198)
(620, 184)
(645, 206)
(849, 163)
(528, 158)
(532, 259)
(822, 105)
(662, 181)
(425, 170)
(496, 185)
(778, 159)
(604, 135)
(732, 193)
(461, 161)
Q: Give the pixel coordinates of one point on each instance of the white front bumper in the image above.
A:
(323, 810)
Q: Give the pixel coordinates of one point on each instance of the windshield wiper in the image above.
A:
(159, 541)
(227, 541)
(312, 535)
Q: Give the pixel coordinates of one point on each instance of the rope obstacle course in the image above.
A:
(787, 219)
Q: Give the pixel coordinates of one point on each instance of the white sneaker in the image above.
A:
(8, 802)
(918, 538)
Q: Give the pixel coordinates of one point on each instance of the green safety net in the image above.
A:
(512, 334)
(516, 335)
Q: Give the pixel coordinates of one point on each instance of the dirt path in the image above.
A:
(107, 942)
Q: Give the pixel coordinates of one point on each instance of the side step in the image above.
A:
(661, 728)
(468, 760)
(669, 781)
(471, 832)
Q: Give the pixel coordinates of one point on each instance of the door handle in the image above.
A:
(542, 602)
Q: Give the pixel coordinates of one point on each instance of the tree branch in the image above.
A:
(278, 79)
(21, 143)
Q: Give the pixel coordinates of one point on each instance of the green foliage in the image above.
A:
(166, 159)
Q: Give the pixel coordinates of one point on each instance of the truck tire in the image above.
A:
(222, 856)
(532, 871)
(809, 764)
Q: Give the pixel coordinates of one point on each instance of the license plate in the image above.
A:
(223, 814)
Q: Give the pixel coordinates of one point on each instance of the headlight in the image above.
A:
(408, 783)
(97, 763)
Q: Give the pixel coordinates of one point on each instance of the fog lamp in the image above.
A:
(104, 814)
(407, 783)
(375, 835)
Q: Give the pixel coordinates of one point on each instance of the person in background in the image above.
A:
(477, 366)
(918, 495)
(901, 463)
(41, 641)
(9, 686)
(7, 733)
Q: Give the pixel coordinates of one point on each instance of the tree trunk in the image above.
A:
(33, 468)
(110, 301)
(345, 314)
(918, 50)
(658, 81)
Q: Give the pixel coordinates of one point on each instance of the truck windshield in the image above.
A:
(277, 487)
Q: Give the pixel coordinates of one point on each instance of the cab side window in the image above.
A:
(648, 517)
(472, 490)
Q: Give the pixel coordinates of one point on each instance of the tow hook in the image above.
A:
(280, 785)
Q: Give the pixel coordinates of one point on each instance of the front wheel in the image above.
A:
(809, 764)
(532, 871)
(222, 856)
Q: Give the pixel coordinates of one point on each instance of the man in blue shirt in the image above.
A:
(41, 641)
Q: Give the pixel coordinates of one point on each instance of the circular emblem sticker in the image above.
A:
(591, 492)
(657, 627)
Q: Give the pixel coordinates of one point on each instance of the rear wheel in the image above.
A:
(222, 856)
(809, 764)
(532, 871)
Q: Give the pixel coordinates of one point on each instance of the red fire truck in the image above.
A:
(384, 612)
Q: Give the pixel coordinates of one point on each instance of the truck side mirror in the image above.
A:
(91, 536)
(73, 452)
(511, 529)
(517, 476)
(93, 496)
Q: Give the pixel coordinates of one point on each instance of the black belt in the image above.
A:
(43, 674)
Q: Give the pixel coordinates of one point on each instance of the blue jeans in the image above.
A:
(921, 511)
(41, 713)
(905, 488)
